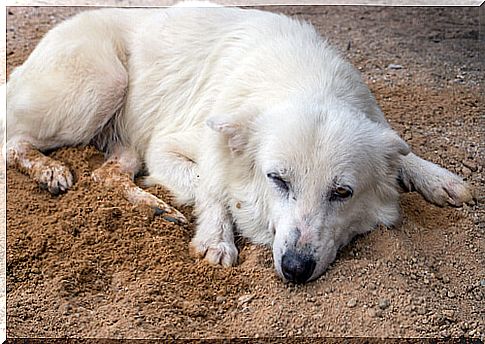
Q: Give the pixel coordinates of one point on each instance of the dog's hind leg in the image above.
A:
(118, 172)
(50, 174)
(71, 85)
(436, 184)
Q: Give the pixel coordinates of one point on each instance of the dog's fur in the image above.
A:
(249, 115)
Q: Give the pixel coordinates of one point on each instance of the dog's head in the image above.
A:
(326, 173)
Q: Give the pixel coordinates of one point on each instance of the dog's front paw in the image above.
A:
(220, 253)
(445, 188)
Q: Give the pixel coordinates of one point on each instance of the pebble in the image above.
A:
(471, 165)
(352, 303)
(444, 334)
(451, 294)
(466, 172)
(245, 298)
(448, 313)
(394, 66)
(221, 299)
(374, 312)
(446, 279)
(384, 303)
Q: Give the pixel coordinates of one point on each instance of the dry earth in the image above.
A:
(88, 264)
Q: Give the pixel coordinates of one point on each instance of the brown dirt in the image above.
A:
(88, 264)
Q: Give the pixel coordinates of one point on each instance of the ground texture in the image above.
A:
(88, 264)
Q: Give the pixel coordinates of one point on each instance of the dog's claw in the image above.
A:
(171, 219)
(136, 195)
(158, 211)
(458, 193)
(173, 215)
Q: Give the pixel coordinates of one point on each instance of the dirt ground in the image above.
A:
(88, 264)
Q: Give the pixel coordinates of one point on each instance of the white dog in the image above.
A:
(251, 116)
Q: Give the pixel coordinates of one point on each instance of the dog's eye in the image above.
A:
(341, 192)
(279, 182)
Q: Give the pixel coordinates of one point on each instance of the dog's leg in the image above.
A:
(172, 162)
(118, 172)
(436, 184)
(49, 173)
(214, 237)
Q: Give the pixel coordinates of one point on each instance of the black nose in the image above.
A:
(297, 268)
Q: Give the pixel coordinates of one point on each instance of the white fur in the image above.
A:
(212, 100)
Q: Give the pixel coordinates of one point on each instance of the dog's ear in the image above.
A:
(234, 132)
(395, 143)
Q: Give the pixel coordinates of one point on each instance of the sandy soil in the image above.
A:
(88, 264)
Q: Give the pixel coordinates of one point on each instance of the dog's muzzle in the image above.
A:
(297, 268)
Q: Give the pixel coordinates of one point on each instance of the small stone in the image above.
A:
(421, 311)
(466, 171)
(444, 334)
(446, 279)
(352, 303)
(471, 165)
(448, 313)
(394, 66)
(245, 299)
(384, 303)
(374, 313)
(221, 299)
(450, 294)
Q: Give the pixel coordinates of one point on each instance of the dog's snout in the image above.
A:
(297, 268)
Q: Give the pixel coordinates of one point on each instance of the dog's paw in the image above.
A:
(110, 175)
(52, 176)
(221, 253)
(136, 195)
(445, 188)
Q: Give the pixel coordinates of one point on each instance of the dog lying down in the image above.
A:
(248, 115)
